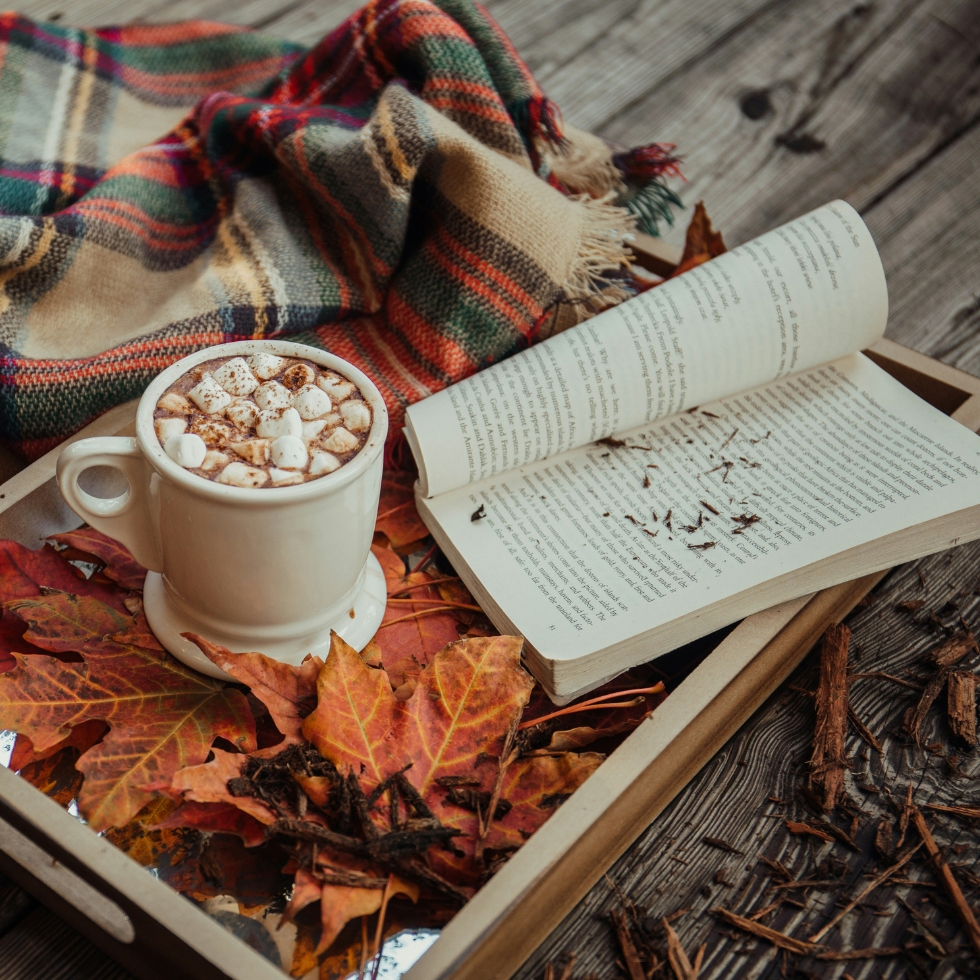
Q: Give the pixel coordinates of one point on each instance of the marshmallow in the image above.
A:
(311, 403)
(312, 429)
(214, 460)
(243, 412)
(299, 375)
(213, 431)
(276, 422)
(340, 441)
(168, 428)
(172, 402)
(240, 475)
(187, 450)
(335, 386)
(236, 377)
(357, 416)
(322, 462)
(254, 451)
(282, 478)
(289, 453)
(266, 366)
(209, 396)
(272, 395)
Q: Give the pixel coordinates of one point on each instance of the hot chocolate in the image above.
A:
(262, 421)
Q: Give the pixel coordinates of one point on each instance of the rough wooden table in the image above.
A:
(776, 107)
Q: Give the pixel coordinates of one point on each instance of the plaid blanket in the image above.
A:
(402, 194)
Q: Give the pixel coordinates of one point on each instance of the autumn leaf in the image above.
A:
(354, 717)
(701, 243)
(408, 642)
(339, 904)
(162, 715)
(55, 776)
(288, 692)
(467, 699)
(208, 783)
(65, 623)
(225, 866)
(144, 838)
(398, 519)
(81, 737)
(138, 634)
(24, 572)
(120, 565)
(216, 818)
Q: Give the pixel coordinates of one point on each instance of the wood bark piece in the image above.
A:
(764, 932)
(861, 954)
(828, 762)
(864, 731)
(630, 956)
(953, 650)
(973, 812)
(969, 920)
(914, 717)
(683, 968)
(962, 705)
(868, 889)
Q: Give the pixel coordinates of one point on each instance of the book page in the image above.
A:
(799, 296)
(604, 542)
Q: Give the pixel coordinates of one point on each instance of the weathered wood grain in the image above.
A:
(812, 100)
(732, 799)
(42, 946)
(928, 233)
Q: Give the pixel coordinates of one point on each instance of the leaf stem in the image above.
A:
(595, 703)
(424, 585)
(415, 615)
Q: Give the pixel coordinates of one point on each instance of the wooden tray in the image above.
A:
(154, 932)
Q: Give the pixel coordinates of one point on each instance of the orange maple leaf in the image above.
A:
(162, 716)
(288, 692)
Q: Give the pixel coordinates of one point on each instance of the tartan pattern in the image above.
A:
(385, 195)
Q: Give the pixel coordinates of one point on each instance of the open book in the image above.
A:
(707, 449)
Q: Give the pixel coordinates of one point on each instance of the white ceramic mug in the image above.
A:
(268, 569)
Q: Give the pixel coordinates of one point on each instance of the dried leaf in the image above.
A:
(162, 715)
(220, 818)
(339, 904)
(138, 634)
(120, 565)
(288, 692)
(81, 737)
(701, 243)
(408, 645)
(144, 838)
(24, 572)
(226, 867)
(66, 623)
(467, 698)
(398, 519)
(55, 776)
(208, 783)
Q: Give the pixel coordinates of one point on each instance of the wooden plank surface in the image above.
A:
(776, 106)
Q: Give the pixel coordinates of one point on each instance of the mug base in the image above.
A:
(355, 626)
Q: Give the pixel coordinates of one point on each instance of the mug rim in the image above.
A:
(258, 496)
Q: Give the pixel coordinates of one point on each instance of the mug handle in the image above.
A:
(126, 518)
